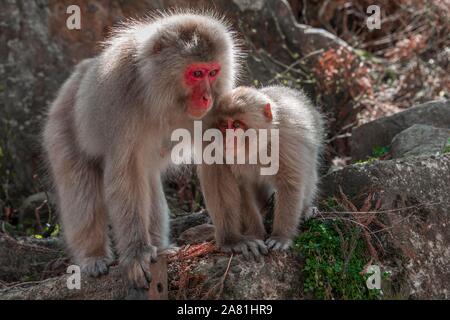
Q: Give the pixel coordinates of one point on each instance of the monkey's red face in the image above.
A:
(232, 124)
(199, 78)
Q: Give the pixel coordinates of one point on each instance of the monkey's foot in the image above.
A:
(95, 266)
(170, 250)
(136, 265)
(278, 243)
(251, 249)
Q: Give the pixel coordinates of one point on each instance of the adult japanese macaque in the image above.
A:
(236, 193)
(112, 119)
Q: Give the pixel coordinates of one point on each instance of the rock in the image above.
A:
(415, 204)
(209, 276)
(276, 277)
(27, 259)
(221, 276)
(198, 234)
(181, 224)
(108, 287)
(379, 133)
(419, 139)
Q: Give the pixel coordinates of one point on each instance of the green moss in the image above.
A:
(377, 153)
(447, 147)
(329, 272)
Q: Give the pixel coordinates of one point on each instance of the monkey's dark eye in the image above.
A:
(197, 74)
(223, 126)
(213, 73)
(237, 124)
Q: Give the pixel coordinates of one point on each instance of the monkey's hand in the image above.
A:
(136, 264)
(279, 243)
(96, 266)
(250, 248)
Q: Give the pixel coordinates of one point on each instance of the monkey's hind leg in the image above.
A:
(83, 214)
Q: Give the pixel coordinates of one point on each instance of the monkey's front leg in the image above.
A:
(222, 198)
(127, 193)
(159, 214)
(251, 217)
(287, 213)
(223, 201)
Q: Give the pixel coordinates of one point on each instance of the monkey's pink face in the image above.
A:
(232, 124)
(199, 78)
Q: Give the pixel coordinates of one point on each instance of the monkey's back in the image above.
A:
(297, 109)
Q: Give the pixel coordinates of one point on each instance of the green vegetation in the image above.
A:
(367, 56)
(447, 147)
(334, 256)
(377, 153)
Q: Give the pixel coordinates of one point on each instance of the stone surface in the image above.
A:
(182, 223)
(277, 277)
(379, 133)
(198, 234)
(418, 239)
(29, 259)
(418, 140)
(221, 276)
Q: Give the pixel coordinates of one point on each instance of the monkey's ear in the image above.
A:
(268, 112)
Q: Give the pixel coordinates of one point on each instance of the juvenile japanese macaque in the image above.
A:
(107, 136)
(236, 193)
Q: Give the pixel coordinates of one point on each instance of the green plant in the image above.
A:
(377, 153)
(334, 261)
(447, 147)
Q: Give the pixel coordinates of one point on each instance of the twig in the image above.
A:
(219, 284)
(222, 282)
(20, 284)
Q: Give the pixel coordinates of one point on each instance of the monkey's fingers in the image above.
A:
(147, 275)
(95, 267)
(242, 248)
(258, 248)
(278, 245)
(153, 252)
(137, 267)
(170, 250)
(139, 276)
(262, 247)
(255, 251)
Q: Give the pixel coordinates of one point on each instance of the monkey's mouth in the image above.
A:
(196, 112)
(200, 107)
